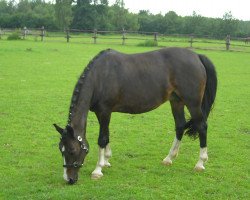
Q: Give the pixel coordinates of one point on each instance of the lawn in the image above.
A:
(36, 83)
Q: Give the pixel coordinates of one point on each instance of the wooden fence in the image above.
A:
(124, 37)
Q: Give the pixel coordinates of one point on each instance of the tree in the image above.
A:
(104, 2)
(229, 24)
(5, 13)
(63, 13)
(84, 17)
(24, 6)
(83, 2)
(97, 14)
(145, 21)
(243, 29)
(101, 20)
(120, 3)
(131, 22)
(118, 17)
(172, 23)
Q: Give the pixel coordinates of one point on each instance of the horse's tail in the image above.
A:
(211, 86)
(208, 97)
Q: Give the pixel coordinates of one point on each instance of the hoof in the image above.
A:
(199, 168)
(96, 176)
(167, 162)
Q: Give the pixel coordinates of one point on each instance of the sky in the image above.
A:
(208, 8)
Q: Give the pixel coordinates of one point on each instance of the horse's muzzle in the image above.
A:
(72, 181)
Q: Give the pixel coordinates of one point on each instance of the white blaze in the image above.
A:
(65, 176)
(63, 148)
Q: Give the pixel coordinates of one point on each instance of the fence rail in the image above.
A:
(124, 37)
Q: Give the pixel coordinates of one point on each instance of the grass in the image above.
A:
(148, 43)
(36, 83)
(14, 36)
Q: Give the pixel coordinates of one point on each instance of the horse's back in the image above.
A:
(140, 82)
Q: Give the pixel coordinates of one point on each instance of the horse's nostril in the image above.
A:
(71, 181)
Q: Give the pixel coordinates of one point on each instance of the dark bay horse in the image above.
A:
(138, 83)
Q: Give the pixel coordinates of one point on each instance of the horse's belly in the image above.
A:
(134, 110)
(137, 100)
(137, 106)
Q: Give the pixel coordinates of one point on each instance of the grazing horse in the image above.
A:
(138, 83)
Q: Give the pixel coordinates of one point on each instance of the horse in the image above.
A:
(138, 83)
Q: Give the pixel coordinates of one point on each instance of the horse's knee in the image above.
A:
(103, 141)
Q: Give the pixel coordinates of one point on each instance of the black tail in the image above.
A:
(209, 95)
(211, 86)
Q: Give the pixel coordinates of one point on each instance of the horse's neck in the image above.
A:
(79, 122)
(79, 113)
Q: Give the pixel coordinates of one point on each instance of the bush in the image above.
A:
(14, 36)
(148, 43)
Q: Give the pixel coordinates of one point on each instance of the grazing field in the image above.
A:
(36, 83)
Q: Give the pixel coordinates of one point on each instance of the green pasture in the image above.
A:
(36, 83)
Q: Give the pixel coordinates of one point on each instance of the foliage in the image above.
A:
(27, 13)
(98, 14)
(63, 13)
(14, 36)
(85, 17)
(148, 43)
(36, 88)
(229, 24)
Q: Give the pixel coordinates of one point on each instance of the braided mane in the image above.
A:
(78, 86)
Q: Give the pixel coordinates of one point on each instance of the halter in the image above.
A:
(83, 147)
(74, 165)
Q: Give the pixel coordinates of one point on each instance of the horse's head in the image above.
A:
(74, 150)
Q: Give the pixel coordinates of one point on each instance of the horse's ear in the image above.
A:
(59, 129)
(70, 130)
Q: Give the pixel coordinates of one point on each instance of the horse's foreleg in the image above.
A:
(97, 173)
(103, 142)
(107, 156)
(103, 161)
(178, 113)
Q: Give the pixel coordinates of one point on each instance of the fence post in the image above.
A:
(0, 33)
(228, 42)
(123, 36)
(42, 33)
(155, 36)
(95, 36)
(24, 32)
(67, 35)
(191, 41)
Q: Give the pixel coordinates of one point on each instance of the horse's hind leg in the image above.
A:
(178, 113)
(200, 125)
